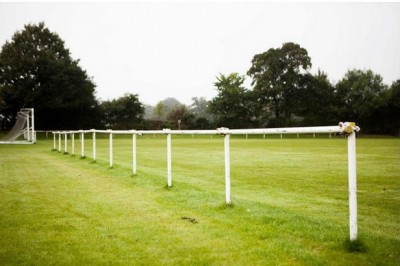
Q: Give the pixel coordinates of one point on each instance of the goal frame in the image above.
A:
(28, 130)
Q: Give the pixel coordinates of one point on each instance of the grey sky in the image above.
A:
(160, 50)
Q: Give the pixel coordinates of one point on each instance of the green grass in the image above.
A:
(290, 203)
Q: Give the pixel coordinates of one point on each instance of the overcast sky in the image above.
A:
(160, 50)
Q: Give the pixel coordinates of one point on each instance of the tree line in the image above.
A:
(36, 70)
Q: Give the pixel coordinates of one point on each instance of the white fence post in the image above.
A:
(73, 143)
(352, 171)
(169, 161)
(59, 142)
(54, 141)
(82, 145)
(65, 143)
(134, 166)
(94, 145)
(111, 150)
(227, 169)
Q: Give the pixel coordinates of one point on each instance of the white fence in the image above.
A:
(347, 128)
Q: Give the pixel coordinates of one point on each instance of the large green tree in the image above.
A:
(36, 70)
(203, 118)
(232, 107)
(359, 94)
(125, 112)
(316, 101)
(199, 107)
(393, 109)
(181, 117)
(385, 114)
(277, 78)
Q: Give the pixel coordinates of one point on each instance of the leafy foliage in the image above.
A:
(123, 113)
(316, 100)
(277, 78)
(284, 93)
(384, 117)
(232, 106)
(359, 92)
(360, 95)
(36, 70)
(181, 117)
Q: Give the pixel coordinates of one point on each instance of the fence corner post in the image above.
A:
(227, 169)
(352, 172)
(350, 129)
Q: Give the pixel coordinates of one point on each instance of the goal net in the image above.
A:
(24, 126)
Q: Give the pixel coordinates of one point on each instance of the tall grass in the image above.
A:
(290, 203)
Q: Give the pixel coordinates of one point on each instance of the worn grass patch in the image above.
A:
(290, 203)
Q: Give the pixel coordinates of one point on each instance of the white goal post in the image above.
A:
(349, 129)
(24, 126)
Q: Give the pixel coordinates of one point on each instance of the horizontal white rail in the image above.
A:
(219, 131)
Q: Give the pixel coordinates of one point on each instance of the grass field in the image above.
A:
(290, 203)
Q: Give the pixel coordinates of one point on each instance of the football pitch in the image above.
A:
(290, 203)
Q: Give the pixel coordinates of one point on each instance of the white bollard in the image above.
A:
(54, 141)
(73, 143)
(82, 144)
(59, 142)
(169, 161)
(227, 170)
(111, 150)
(65, 143)
(352, 171)
(94, 146)
(134, 166)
